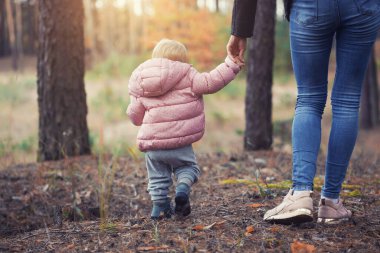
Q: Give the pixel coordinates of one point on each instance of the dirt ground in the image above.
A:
(55, 207)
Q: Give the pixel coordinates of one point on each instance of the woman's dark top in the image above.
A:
(243, 16)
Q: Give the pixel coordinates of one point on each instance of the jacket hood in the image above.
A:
(156, 77)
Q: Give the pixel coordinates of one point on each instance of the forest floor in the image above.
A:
(84, 204)
(55, 207)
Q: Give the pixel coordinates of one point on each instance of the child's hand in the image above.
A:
(235, 66)
(235, 49)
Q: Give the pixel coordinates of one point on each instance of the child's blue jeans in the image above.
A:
(313, 25)
(161, 164)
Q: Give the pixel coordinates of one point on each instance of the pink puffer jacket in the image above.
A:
(166, 101)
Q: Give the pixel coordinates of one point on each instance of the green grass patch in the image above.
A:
(234, 90)
(354, 190)
(24, 146)
(114, 66)
(111, 104)
(15, 90)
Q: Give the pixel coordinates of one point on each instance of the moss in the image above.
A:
(237, 181)
(281, 185)
(353, 194)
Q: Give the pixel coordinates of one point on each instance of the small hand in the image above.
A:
(235, 49)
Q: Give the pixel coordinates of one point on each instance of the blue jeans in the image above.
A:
(313, 25)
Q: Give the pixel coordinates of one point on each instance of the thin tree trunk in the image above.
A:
(19, 34)
(217, 5)
(11, 31)
(369, 111)
(91, 28)
(258, 102)
(62, 105)
(3, 39)
(132, 47)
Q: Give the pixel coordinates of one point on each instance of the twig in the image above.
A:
(59, 232)
(47, 232)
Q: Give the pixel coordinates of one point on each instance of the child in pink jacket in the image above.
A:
(166, 101)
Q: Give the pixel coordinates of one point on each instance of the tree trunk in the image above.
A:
(61, 95)
(11, 32)
(369, 111)
(91, 29)
(258, 101)
(19, 37)
(3, 38)
(217, 5)
(132, 38)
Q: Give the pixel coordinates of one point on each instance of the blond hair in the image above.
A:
(170, 49)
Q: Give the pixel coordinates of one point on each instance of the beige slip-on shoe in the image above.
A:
(294, 209)
(332, 213)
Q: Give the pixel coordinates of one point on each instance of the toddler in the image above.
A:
(166, 101)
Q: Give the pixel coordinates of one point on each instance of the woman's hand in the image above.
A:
(235, 49)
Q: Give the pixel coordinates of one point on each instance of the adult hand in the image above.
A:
(235, 49)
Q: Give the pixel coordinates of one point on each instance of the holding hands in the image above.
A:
(235, 49)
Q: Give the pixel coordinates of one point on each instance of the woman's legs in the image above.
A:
(310, 47)
(355, 39)
(313, 25)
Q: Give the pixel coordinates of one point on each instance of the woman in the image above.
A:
(313, 25)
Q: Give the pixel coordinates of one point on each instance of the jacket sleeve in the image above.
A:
(243, 18)
(208, 83)
(136, 111)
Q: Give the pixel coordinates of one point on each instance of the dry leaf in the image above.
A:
(299, 247)
(68, 247)
(202, 227)
(219, 224)
(150, 248)
(198, 227)
(249, 230)
(274, 229)
(256, 205)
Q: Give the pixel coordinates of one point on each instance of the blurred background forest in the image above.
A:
(119, 35)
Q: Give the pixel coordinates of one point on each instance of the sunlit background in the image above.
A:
(119, 35)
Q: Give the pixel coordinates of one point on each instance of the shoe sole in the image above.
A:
(332, 221)
(182, 206)
(295, 217)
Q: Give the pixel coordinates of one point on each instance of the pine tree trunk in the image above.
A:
(11, 32)
(258, 102)
(61, 96)
(369, 111)
(217, 5)
(3, 38)
(19, 36)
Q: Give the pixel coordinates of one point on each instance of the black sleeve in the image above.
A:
(243, 18)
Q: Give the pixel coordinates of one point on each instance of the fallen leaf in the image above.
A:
(68, 247)
(274, 229)
(249, 230)
(203, 227)
(219, 224)
(45, 188)
(256, 205)
(150, 248)
(299, 247)
(198, 227)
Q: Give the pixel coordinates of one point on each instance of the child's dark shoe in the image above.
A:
(182, 202)
(161, 209)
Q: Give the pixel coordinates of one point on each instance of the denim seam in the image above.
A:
(337, 10)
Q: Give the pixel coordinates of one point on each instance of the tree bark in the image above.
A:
(216, 5)
(258, 101)
(62, 105)
(19, 36)
(3, 38)
(11, 32)
(369, 111)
